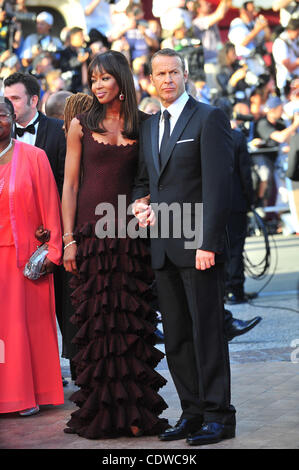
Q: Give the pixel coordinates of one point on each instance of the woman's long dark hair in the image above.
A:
(116, 64)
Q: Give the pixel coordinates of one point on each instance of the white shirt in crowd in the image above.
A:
(169, 11)
(289, 11)
(100, 18)
(284, 48)
(238, 31)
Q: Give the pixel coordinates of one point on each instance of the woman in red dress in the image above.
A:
(115, 365)
(30, 372)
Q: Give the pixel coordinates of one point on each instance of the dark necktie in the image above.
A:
(165, 137)
(20, 131)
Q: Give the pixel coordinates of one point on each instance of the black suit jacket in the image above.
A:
(50, 137)
(198, 169)
(243, 196)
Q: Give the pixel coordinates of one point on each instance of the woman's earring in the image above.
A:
(121, 96)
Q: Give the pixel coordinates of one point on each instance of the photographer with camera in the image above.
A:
(10, 40)
(10, 31)
(286, 55)
(139, 37)
(271, 132)
(287, 9)
(206, 28)
(231, 73)
(248, 33)
(73, 61)
(41, 41)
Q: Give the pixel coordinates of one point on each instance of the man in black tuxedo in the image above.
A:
(34, 128)
(186, 156)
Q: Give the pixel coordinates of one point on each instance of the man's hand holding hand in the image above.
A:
(144, 212)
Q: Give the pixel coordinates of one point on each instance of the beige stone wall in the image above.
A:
(70, 10)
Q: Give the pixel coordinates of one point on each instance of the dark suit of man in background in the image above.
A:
(34, 128)
(192, 165)
(242, 202)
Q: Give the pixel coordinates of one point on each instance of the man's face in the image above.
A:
(204, 7)
(293, 34)
(2, 15)
(275, 113)
(24, 106)
(168, 78)
(231, 55)
(77, 39)
(42, 28)
(21, 3)
(250, 11)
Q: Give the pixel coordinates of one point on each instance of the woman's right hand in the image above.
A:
(69, 259)
(42, 234)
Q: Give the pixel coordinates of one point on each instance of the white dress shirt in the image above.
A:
(175, 110)
(27, 137)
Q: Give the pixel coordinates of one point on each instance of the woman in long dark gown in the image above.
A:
(75, 104)
(115, 365)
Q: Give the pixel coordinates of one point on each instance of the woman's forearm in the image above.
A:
(69, 207)
(91, 7)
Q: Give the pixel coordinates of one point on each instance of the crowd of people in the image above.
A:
(251, 64)
(88, 102)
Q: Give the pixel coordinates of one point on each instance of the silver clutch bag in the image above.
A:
(33, 267)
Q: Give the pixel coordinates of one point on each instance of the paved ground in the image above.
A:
(265, 380)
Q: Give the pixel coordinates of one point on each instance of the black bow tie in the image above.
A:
(20, 131)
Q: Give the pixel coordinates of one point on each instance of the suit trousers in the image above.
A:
(191, 304)
(235, 277)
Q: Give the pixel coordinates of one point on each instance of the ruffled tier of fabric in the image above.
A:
(116, 359)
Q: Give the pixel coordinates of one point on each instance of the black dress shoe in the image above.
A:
(233, 299)
(181, 430)
(239, 327)
(210, 433)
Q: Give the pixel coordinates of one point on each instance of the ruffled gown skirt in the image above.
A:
(115, 365)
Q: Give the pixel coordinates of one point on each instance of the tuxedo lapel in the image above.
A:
(155, 140)
(41, 134)
(182, 122)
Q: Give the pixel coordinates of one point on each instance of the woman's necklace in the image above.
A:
(6, 149)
